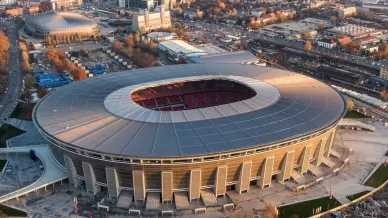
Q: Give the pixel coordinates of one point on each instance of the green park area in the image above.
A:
(378, 177)
(7, 132)
(355, 115)
(306, 209)
(2, 164)
(10, 212)
(356, 196)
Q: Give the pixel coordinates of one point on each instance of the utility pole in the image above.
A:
(76, 206)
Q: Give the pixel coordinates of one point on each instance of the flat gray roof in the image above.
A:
(83, 115)
(227, 57)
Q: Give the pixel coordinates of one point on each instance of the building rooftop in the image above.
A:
(227, 57)
(179, 46)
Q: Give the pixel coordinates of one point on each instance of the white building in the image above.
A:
(327, 43)
(7, 2)
(161, 36)
(150, 21)
(384, 72)
(178, 48)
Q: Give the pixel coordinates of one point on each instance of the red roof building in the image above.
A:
(368, 40)
(269, 17)
(344, 41)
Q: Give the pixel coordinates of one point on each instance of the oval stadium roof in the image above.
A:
(59, 20)
(98, 114)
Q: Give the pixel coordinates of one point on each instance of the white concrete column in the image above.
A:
(195, 184)
(220, 180)
(167, 186)
(332, 137)
(138, 185)
(71, 172)
(244, 178)
(304, 160)
(286, 166)
(319, 152)
(90, 178)
(113, 182)
(266, 172)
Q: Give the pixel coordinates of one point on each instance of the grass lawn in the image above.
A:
(378, 177)
(305, 209)
(355, 196)
(7, 132)
(23, 111)
(2, 164)
(10, 212)
(355, 114)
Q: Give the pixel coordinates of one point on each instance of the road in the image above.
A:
(13, 88)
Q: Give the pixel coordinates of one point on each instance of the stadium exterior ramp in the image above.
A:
(356, 124)
(52, 172)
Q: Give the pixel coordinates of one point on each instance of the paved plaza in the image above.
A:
(368, 150)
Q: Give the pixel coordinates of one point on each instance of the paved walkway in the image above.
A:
(31, 137)
(52, 173)
(356, 124)
(20, 124)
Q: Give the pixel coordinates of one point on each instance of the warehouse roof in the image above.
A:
(227, 57)
(179, 46)
(99, 115)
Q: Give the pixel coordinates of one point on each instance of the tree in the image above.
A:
(129, 42)
(79, 74)
(84, 52)
(270, 211)
(342, 35)
(61, 54)
(384, 96)
(221, 5)
(26, 68)
(203, 40)
(167, 52)
(181, 60)
(137, 38)
(48, 41)
(308, 47)
(29, 81)
(41, 92)
(333, 20)
(321, 25)
(350, 104)
(117, 45)
(51, 54)
(59, 65)
(305, 35)
(179, 26)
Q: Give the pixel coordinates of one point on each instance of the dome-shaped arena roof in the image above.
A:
(59, 20)
(100, 114)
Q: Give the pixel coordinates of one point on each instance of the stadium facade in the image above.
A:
(59, 23)
(189, 128)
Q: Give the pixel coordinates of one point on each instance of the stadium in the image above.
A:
(196, 129)
(58, 23)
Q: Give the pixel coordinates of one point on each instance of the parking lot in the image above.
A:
(294, 27)
(111, 61)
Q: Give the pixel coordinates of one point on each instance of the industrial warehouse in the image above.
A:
(58, 23)
(184, 133)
